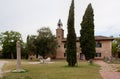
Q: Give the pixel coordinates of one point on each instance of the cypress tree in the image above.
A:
(71, 38)
(87, 39)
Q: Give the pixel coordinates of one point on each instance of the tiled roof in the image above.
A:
(103, 38)
(97, 38)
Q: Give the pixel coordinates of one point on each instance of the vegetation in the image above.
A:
(57, 70)
(116, 47)
(8, 41)
(87, 40)
(30, 46)
(71, 38)
(46, 42)
(43, 44)
(24, 53)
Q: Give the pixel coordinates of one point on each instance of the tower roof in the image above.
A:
(60, 23)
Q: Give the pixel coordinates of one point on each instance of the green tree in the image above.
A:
(24, 51)
(46, 43)
(116, 47)
(71, 38)
(8, 41)
(31, 47)
(87, 39)
(118, 44)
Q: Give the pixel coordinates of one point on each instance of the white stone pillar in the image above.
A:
(18, 56)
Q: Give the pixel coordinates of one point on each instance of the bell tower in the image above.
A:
(59, 37)
(59, 32)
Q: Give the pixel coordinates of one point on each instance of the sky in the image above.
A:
(27, 16)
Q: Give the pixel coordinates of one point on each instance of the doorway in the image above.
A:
(82, 56)
(118, 54)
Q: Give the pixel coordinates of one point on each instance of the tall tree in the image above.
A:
(87, 39)
(8, 41)
(71, 38)
(46, 43)
(31, 48)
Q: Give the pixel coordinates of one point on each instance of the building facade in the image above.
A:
(103, 45)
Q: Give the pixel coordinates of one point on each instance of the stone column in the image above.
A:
(18, 56)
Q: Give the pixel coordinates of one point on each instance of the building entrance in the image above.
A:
(118, 54)
(82, 56)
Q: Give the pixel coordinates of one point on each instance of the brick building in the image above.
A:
(103, 45)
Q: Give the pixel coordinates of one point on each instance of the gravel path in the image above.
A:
(108, 71)
(1, 65)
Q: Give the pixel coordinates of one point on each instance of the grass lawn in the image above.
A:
(57, 70)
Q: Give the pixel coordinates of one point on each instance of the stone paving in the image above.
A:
(108, 71)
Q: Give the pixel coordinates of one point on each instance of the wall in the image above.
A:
(105, 50)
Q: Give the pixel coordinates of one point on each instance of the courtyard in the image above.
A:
(56, 70)
(59, 70)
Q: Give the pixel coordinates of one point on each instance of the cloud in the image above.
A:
(27, 16)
